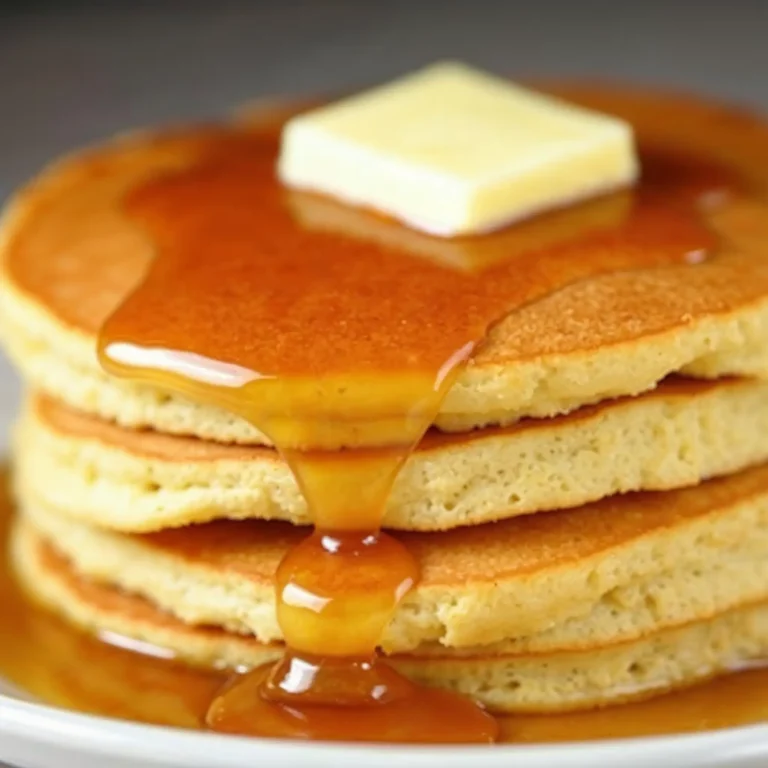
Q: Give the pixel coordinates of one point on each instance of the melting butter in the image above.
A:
(453, 151)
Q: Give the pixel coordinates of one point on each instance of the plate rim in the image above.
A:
(42, 724)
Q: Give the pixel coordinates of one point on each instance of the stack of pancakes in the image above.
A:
(590, 511)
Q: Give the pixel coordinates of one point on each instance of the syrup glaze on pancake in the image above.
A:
(44, 656)
(324, 341)
(381, 393)
(74, 213)
(100, 256)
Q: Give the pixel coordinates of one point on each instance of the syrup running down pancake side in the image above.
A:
(42, 655)
(337, 333)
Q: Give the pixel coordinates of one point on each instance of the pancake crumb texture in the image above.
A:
(140, 481)
(560, 681)
(608, 572)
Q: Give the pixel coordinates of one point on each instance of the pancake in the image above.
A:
(608, 572)
(69, 258)
(139, 481)
(562, 681)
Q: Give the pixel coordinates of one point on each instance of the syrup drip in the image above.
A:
(43, 656)
(347, 700)
(338, 333)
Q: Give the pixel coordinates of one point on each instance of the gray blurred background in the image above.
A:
(74, 72)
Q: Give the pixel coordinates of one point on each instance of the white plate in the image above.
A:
(37, 736)
(33, 735)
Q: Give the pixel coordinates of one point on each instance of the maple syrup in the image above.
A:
(43, 656)
(339, 343)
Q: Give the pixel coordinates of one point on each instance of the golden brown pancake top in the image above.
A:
(72, 249)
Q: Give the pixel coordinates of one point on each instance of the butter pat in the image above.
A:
(453, 151)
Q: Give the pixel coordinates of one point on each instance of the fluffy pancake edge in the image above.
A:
(139, 481)
(618, 569)
(560, 682)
